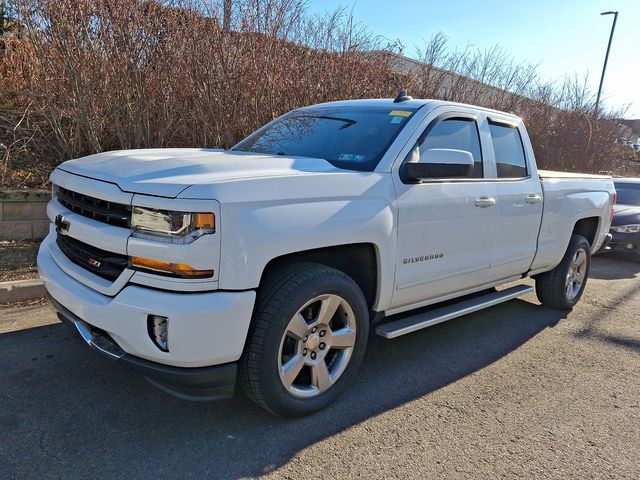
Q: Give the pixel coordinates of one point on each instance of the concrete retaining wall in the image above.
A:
(23, 214)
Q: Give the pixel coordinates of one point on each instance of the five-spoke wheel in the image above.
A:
(577, 273)
(317, 345)
(308, 338)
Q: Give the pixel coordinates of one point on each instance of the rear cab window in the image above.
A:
(508, 148)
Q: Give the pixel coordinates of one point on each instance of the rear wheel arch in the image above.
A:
(588, 228)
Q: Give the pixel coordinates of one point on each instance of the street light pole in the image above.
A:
(226, 15)
(606, 58)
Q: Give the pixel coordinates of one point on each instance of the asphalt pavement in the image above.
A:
(515, 391)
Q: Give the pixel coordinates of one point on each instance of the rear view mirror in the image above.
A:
(438, 163)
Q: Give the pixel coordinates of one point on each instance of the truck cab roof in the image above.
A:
(415, 103)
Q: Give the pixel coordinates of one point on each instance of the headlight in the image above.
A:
(171, 227)
(626, 228)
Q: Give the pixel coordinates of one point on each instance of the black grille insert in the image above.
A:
(117, 214)
(105, 264)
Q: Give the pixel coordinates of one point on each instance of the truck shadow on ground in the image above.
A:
(69, 413)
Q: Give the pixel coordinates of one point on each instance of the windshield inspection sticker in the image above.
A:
(397, 119)
(350, 157)
(400, 113)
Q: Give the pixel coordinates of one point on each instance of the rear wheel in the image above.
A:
(563, 286)
(308, 338)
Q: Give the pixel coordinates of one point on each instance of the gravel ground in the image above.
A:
(515, 391)
(19, 273)
(18, 260)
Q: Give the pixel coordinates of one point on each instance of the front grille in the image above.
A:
(108, 265)
(117, 214)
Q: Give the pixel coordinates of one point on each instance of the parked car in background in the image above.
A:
(625, 227)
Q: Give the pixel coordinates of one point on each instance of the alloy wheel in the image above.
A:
(577, 274)
(316, 346)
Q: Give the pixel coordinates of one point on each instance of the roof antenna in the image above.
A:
(402, 96)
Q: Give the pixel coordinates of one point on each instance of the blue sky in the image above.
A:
(562, 36)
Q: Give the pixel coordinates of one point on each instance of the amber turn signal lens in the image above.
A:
(206, 221)
(178, 269)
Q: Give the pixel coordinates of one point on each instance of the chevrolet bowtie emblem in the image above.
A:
(61, 224)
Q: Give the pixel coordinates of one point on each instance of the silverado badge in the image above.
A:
(423, 258)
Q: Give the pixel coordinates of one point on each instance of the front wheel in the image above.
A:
(563, 286)
(308, 338)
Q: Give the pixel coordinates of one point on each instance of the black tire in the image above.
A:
(279, 299)
(551, 287)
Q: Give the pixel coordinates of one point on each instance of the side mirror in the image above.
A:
(438, 163)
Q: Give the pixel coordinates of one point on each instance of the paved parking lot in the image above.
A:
(516, 391)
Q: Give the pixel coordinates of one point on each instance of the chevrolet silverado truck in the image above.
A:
(267, 265)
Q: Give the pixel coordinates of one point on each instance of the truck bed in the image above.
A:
(567, 198)
(550, 175)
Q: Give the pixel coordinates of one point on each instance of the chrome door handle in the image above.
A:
(533, 198)
(484, 202)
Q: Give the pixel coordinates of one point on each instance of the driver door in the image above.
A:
(445, 225)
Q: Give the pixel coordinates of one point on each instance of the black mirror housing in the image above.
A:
(421, 171)
(437, 163)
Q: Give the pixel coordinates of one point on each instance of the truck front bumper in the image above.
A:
(206, 331)
(201, 383)
(625, 242)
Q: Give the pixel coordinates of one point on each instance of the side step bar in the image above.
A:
(426, 319)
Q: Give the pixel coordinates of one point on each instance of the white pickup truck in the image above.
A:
(268, 264)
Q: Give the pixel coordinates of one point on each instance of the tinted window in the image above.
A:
(457, 134)
(509, 151)
(628, 193)
(349, 137)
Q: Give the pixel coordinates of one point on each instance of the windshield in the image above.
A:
(355, 138)
(628, 193)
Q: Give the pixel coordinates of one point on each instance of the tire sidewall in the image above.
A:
(277, 397)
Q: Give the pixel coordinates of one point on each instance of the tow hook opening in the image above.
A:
(158, 328)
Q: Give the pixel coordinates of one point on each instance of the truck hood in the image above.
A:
(167, 172)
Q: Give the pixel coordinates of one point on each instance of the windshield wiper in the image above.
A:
(347, 122)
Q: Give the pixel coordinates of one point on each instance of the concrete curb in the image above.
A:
(21, 290)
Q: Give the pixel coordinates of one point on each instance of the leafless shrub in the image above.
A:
(560, 118)
(82, 76)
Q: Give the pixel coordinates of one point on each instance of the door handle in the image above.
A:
(533, 198)
(484, 202)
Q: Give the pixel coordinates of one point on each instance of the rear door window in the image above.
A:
(509, 151)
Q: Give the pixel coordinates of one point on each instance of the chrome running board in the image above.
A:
(422, 320)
